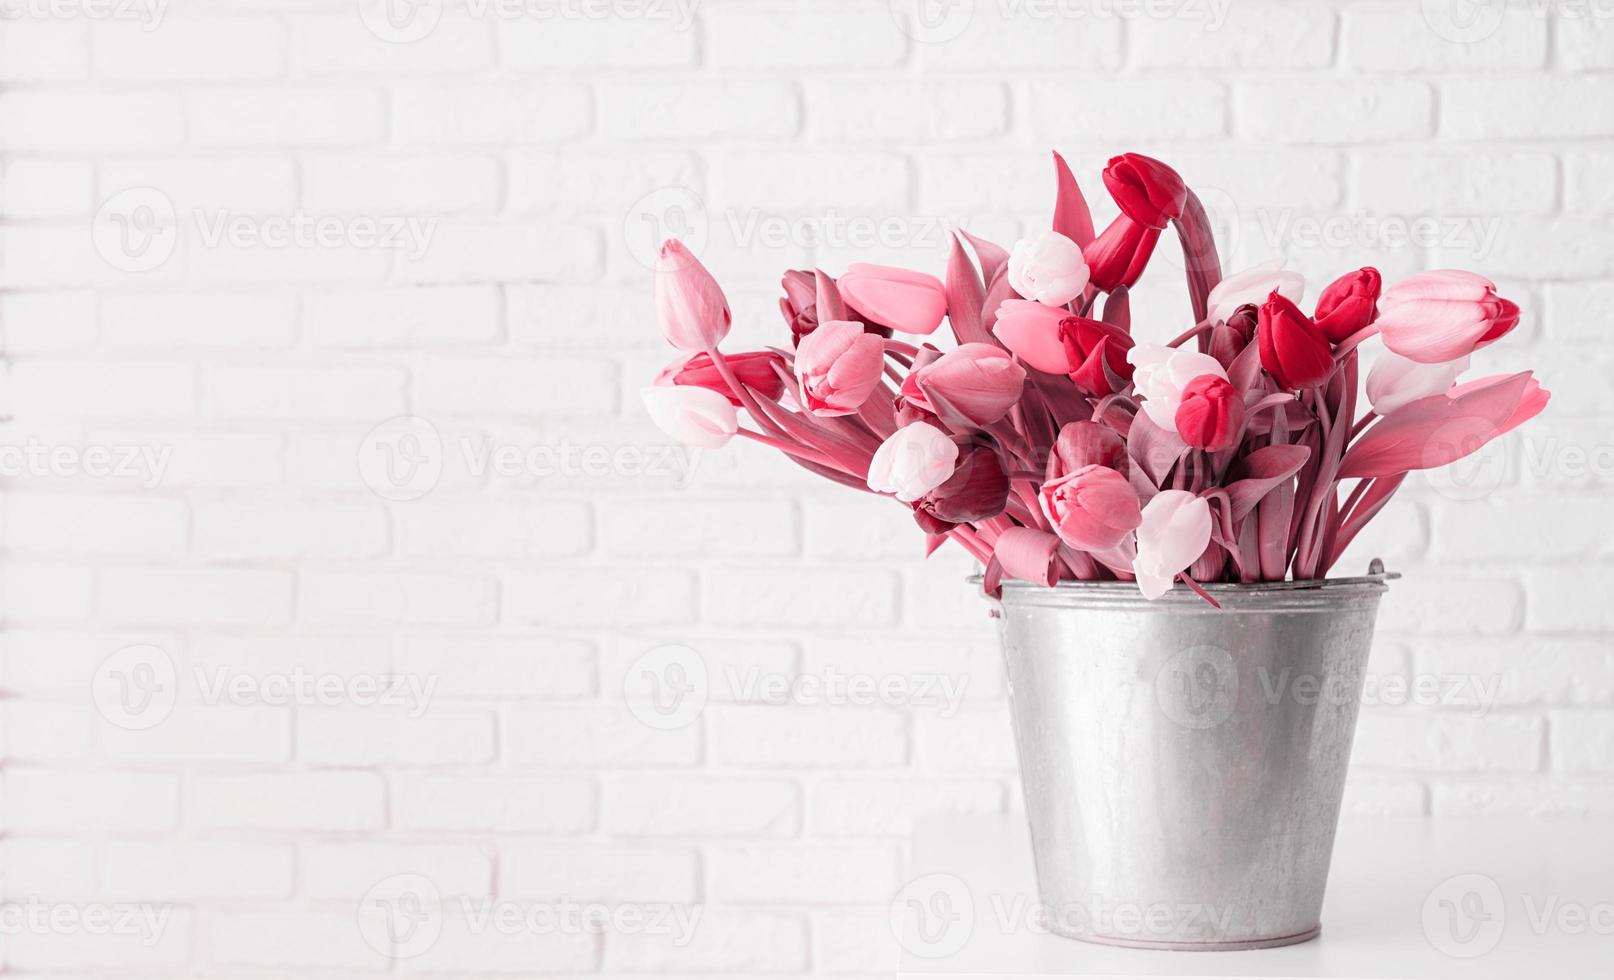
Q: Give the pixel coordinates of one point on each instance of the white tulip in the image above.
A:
(1396, 381)
(915, 460)
(1049, 269)
(1254, 285)
(693, 415)
(1162, 374)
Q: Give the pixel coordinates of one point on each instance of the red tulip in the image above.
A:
(1118, 256)
(1349, 304)
(692, 309)
(1211, 416)
(1148, 191)
(908, 301)
(1097, 354)
(755, 369)
(1092, 509)
(977, 491)
(1440, 316)
(980, 382)
(1293, 350)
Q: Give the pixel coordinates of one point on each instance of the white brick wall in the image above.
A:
(210, 478)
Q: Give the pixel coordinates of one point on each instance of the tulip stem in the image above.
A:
(1362, 423)
(1203, 326)
(1356, 339)
(741, 391)
(799, 451)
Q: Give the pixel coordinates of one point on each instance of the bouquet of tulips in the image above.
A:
(1050, 443)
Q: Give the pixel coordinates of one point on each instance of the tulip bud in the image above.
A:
(799, 305)
(1174, 532)
(1091, 509)
(1252, 286)
(1147, 191)
(1163, 374)
(1097, 353)
(1348, 304)
(908, 301)
(977, 381)
(1293, 350)
(1441, 316)
(1396, 381)
(755, 369)
(1086, 444)
(696, 416)
(1229, 338)
(1211, 416)
(1049, 269)
(912, 461)
(977, 491)
(692, 310)
(1118, 256)
(839, 366)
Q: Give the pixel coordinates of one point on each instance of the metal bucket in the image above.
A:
(1183, 765)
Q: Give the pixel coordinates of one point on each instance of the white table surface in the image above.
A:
(1408, 899)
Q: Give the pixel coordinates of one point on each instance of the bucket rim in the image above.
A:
(1307, 593)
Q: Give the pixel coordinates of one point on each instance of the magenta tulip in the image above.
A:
(1148, 191)
(1293, 350)
(1211, 414)
(977, 491)
(1349, 304)
(757, 370)
(692, 310)
(839, 366)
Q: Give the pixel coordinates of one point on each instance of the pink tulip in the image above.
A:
(757, 370)
(1031, 331)
(696, 416)
(1442, 429)
(1162, 376)
(1147, 191)
(1086, 443)
(1211, 415)
(1175, 529)
(1049, 269)
(908, 301)
(913, 461)
(1092, 509)
(978, 381)
(839, 366)
(1443, 315)
(1396, 381)
(692, 310)
(1293, 350)
(1348, 304)
(1252, 287)
(977, 491)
